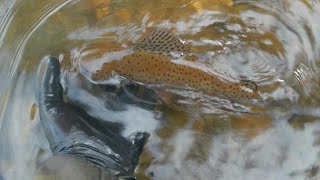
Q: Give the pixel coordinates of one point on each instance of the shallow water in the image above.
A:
(192, 136)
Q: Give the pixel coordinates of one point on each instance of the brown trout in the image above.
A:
(151, 62)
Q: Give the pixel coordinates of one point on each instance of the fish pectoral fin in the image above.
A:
(249, 84)
(162, 41)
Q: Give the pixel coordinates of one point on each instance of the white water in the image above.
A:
(279, 152)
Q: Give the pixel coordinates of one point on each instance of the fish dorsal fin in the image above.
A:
(249, 84)
(162, 41)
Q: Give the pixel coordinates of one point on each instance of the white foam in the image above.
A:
(134, 118)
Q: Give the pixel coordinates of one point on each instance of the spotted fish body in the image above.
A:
(152, 63)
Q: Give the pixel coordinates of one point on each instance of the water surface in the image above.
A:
(192, 136)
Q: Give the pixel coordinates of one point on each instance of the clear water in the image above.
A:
(192, 136)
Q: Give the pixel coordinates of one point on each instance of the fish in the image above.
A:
(83, 147)
(154, 61)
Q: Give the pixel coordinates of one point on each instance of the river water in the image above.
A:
(275, 43)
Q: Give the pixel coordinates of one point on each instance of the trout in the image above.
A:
(153, 61)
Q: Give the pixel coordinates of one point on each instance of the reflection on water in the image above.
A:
(193, 136)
